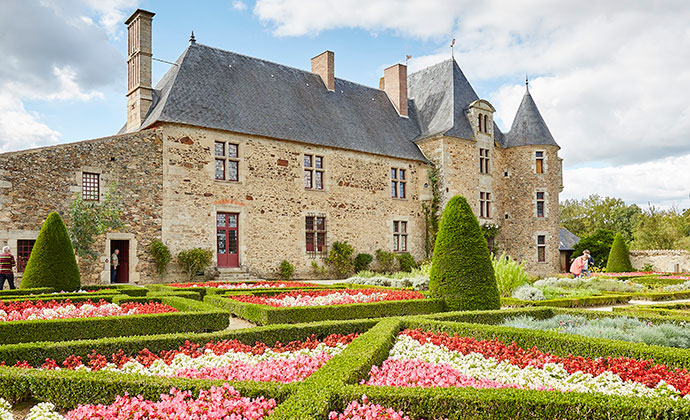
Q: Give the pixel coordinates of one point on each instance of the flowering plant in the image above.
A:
(246, 285)
(41, 309)
(329, 297)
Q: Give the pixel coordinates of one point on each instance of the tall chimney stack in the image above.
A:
(139, 91)
(324, 65)
(395, 86)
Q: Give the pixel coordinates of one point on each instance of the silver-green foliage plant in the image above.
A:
(89, 219)
(286, 270)
(194, 260)
(614, 328)
(418, 278)
(677, 287)
(592, 283)
(527, 292)
(509, 274)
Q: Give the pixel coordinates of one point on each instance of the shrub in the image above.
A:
(362, 262)
(194, 260)
(461, 270)
(619, 257)
(386, 260)
(52, 262)
(340, 259)
(161, 255)
(286, 270)
(509, 274)
(528, 292)
(406, 262)
(599, 244)
(318, 270)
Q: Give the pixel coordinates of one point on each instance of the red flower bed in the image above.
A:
(97, 361)
(329, 297)
(246, 285)
(643, 371)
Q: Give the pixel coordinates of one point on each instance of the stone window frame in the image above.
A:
(485, 205)
(314, 171)
(315, 252)
(541, 248)
(401, 231)
(545, 200)
(536, 159)
(103, 179)
(90, 186)
(399, 180)
(484, 161)
(22, 246)
(227, 159)
(241, 212)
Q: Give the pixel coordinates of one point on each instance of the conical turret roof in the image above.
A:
(528, 126)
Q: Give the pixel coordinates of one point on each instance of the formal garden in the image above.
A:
(466, 335)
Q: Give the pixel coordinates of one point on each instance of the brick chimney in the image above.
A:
(139, 91)
(324, 65)
(395, 86)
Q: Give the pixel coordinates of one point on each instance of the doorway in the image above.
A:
(122, 274)
(227, 239)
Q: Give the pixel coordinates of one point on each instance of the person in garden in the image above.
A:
(589, 263)
(114, 262)
(6, 264)
(578, 265)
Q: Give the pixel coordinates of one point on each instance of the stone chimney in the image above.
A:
(139, 91)
(395, 86)
(324, 65)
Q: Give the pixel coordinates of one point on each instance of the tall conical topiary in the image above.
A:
(52, 262)
(619, 256)
(461, 270)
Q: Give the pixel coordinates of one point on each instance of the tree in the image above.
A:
(52, 262)
(661, 229)
(584, 217)
(619, 257)
(92, 218)
(598, 244)
(461, 270)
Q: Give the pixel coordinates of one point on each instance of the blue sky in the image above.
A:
(610, 79)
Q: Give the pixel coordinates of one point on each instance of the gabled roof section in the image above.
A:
(441, 94)
(528, 126)
(568, 240)
(223, 90)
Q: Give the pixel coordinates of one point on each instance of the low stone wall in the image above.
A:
(666, 260)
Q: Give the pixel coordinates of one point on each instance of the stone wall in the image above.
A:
(665, 260)
(272, 202)
(35, 182)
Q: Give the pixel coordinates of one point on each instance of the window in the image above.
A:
(315, 228)
(313, 172)
(227, 161)
(399, 236)
(480, 123)
(486, 123)
(24, 247)
(541, 248)
(539, 162)
(90, 186)
(398, 183)
(483, 161)
(485, 205)
(540, 204)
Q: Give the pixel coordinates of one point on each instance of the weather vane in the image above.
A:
(452, 44)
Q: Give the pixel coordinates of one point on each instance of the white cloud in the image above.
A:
(20, 129)
(664, 182)
(239, 5)
(610, 79)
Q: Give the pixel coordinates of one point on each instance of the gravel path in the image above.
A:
(636, 302)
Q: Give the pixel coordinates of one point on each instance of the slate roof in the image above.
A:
(528, 126)
(568, 240)
(220, 89)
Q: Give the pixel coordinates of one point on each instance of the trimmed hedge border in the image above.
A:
(579, 302)
(661, 296)
(36, 353)
(203, 291)
(266, 315)
(193, 316)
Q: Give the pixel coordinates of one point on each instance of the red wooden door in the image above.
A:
(122, 275)
(227, 239)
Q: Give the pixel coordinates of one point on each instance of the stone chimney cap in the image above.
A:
(137, 13)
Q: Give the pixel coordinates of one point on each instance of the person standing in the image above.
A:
(589, 263)
(114, 262)
(6, 264)
(577, 266)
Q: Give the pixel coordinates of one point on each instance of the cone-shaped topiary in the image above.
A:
(619, 257)
(461, 270)
(52, 262)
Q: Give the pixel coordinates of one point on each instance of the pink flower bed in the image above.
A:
(228, 360)
(677, 277)
(41, 309)
(367, 411)
(631, 273)
(217, 403)
(245, 285)
(329, 297)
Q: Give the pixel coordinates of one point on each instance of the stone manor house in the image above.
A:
(262, 162)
